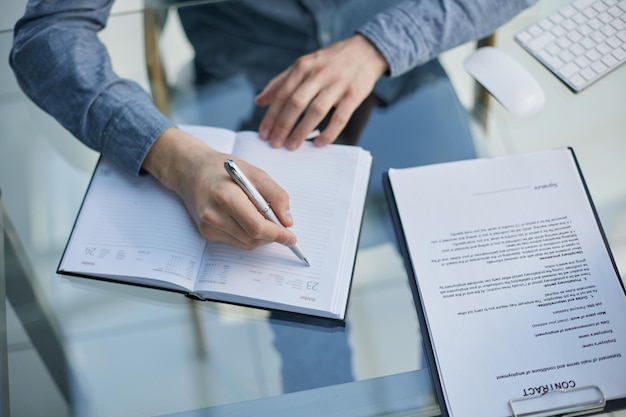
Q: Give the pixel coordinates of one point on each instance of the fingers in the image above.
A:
(275, 195)
(243, 226)
(299, 90)
(337, 77)
(233, 219)
(246, 228)
(313, 116)
(283, 114)
(338, 121)
(221, 211)
(266, 96)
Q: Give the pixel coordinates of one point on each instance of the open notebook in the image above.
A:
(131, 229)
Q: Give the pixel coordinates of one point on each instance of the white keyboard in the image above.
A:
(580, 42)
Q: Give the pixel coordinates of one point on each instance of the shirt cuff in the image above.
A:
(398, 38)
(130, 130)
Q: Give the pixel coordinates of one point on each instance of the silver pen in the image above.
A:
(263, 206)
(313, 135)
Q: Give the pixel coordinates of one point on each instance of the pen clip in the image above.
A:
(240, 178)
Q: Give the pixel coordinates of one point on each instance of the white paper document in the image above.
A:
(518, 289)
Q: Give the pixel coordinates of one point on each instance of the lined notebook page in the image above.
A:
(131, 226)
(327, 188)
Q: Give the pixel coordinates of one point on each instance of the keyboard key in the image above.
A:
(558, 31)
(608, 30)
(599, 67)
(574, 36)
(582, 62)
(588, 74)
(582, 4)
(534, 30)
(610, 61)
(589, 12)
(593, 55)
(556, 18)
(552, 61)
(546, 24)
(597, 37)
(604, 48)
(579, 18)
(568, 25)
(524, 37)
(585, 30)
(588, 43)
(566, 56)
(613, 42)
(595, 23)
(619, 54)
(600, 6)
(618, 24)
(605, 17)
(564, 43)
(542, 41)
(577, 50)
(569, 69)
(553, 49)
(578, 81)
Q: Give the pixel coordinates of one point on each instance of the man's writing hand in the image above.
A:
(220, 209)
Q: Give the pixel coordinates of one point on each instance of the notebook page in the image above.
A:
(519, 292)
(132, 226)
(327, 213)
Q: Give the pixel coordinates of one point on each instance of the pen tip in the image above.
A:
(306, 262)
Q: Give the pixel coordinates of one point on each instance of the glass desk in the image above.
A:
(86, 348)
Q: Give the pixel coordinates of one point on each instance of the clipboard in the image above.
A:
(569, 401)
(560, 402)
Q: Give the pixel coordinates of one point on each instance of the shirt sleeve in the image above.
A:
(416, 31)
(60, 63)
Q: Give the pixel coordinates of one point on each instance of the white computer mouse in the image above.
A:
(506, 80)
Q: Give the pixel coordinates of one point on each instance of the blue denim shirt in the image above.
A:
(62, 66)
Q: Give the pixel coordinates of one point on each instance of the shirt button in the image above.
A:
(325, 37)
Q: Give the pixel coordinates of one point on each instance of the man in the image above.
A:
(348, 51)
